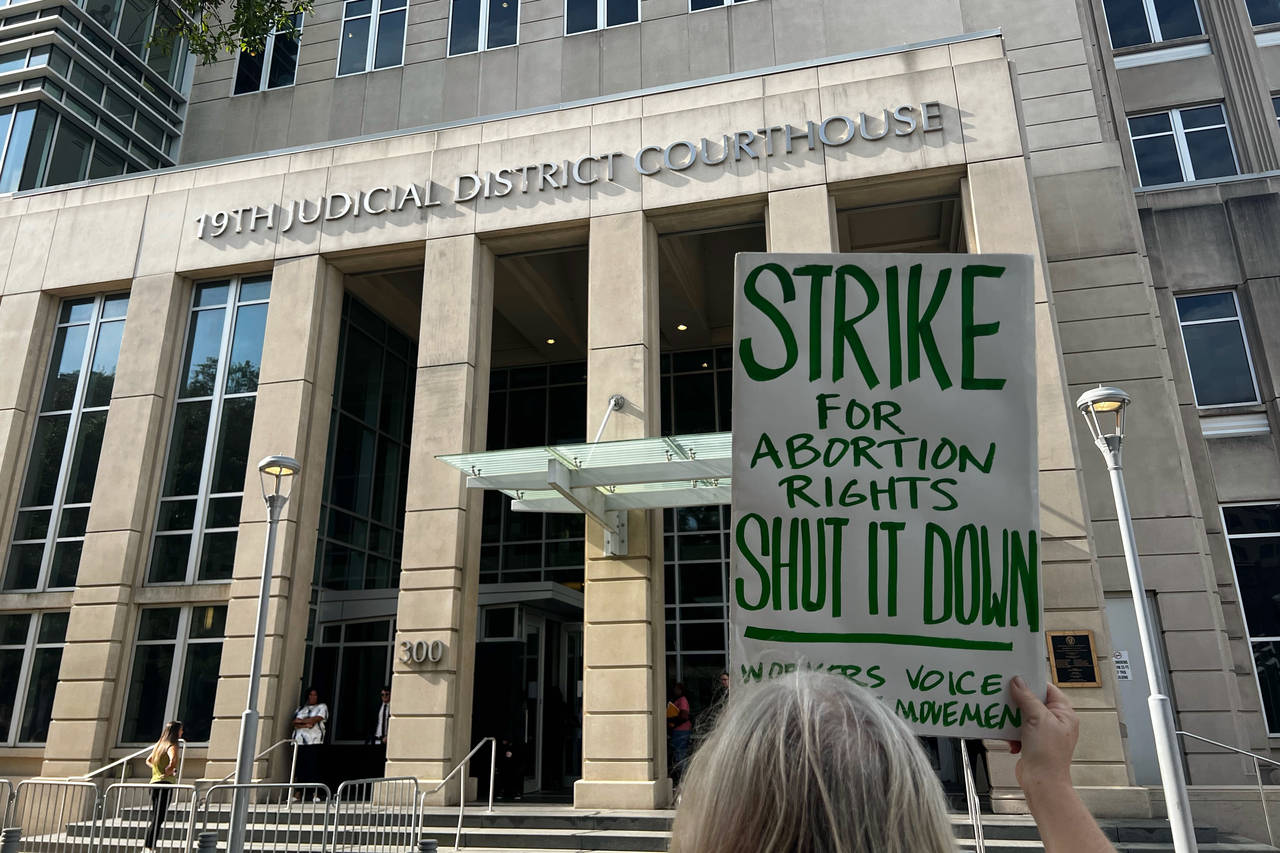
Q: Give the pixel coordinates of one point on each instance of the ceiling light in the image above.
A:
(681, 327)
(551, 340)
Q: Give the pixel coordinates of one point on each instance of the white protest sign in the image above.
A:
(885, 510)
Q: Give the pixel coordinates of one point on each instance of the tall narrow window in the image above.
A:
(482, 25)
(30, 657)
(1188, 144)
(583, 15)
(209, 445)
(372, 35)
(1253, 533)
(1134, 22)
(175, 672)
(1217, 352)
(53, 506)
(275, 67)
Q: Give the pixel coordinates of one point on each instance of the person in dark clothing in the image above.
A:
(509, 771)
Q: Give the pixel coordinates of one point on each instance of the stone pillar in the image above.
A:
(291, 418)
(100, 630)
(431, 711)
(1249, 110)
(26, 330)
(624, 642)
(801, 220)
(1000, 217)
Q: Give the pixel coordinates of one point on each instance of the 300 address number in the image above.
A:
(421, 651)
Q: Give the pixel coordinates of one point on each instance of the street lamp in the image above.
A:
(275, 474)
(1103, 409)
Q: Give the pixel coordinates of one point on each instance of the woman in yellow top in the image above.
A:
(163, 762)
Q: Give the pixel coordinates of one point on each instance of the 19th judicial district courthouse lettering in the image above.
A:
(885, 510)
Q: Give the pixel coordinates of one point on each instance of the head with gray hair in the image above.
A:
(810, 763)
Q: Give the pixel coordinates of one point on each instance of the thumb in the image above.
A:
(1027, 702)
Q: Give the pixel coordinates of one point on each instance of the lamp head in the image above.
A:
(279, 469)
(1103, 409)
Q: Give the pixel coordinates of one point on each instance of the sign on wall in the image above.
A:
(885, 512)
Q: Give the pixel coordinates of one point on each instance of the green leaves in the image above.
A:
(213, 28)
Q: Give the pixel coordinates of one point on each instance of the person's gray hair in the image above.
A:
(810, 763)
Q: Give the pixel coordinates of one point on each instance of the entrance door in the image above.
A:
(535, 638)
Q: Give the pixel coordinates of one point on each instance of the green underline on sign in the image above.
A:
(778, 635)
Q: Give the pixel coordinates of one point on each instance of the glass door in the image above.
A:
(534, 646)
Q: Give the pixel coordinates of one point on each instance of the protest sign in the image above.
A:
(885, 509)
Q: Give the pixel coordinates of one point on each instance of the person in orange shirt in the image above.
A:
(680, 724)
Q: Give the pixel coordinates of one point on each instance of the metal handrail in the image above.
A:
(1257, 774)
(293, 765)
(462, 784)
(123, 763)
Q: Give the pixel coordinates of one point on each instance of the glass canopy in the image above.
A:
(640, 473)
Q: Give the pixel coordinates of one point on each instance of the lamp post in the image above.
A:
(1103, 409)
(274, 473)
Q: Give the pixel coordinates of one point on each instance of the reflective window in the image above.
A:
(208, 453)
(699, 5)
(1134, 22)
(372, 35)
(43, 148)
(275, 67)
(1217, 352)
(362, 518)
(1253, 534)
(30, 657)
(583, 15)
(533, 406)
(482, 25)
(1187, 144)
(53, 506)
(175, 672)
(350, 665)
(1263, 12)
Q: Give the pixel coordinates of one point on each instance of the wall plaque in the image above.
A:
(1071, 659)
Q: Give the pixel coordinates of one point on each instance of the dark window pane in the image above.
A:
(135, 24)
(702, 636)
(693, 519)
(386, 482)
(1201, 117)
(579, 15)
(223, 512)
(699, 5)
(255, 289)
(1157, 161)
(246, 349)
(368, 632)
(208, 621)
(102, 372)
(389, 49)
(169, 558)
(212, 293)
(104, 12)
(566, 414)
(11, 665)
(464, 26)
(46, 460)
(64, 368)
(186, 449)
(199, 688)
(232, 455)
(361, 376)
(355, 46)
(1257, 563)
(86, 82)
(218, 556)
(38, 148)
(284, 62)
(177, 515)
(1207, 306)
(200, 367)
(144, 710)
(248, 72)
(1255, 518)
(693, 403)
(53, 628)
(38, 709)
(521, 525)
(1148, 124)
(74, 521)
(622, 12)
(84, 460)
(23, 571)
(364, 670)
(32, 524)
(66, 564)
(397, 394)
(351, 484)
(166, 55)
(1219, 365)
(527, 423)
(1263, 12)
(70, 161)
(701, 584)
(13, 628)
(158, 623)
(1266, 657)
(1177, 18)
(1211, 155)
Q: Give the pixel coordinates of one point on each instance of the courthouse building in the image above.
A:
(428, 228)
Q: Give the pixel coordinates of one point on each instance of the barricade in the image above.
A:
(6, 801)
(376, 815)
(126, 815)
(56, 815)
(280, 817)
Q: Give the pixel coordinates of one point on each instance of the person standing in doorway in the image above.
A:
(681, 725)
(309, 723)
(384, 717)
(163, 762)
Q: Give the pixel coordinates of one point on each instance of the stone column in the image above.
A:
(291, 418)
(431, 712)
(1000, 216)
(1249, 110)
(26, 330)
(624, 643)
(99, 633)
(801, 220)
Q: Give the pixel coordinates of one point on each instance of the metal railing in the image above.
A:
(6, 801)
(280, 816)
(129, 811)
(377, 815)
(61, 814)
(293, 763)
(1257, 774)
(123, 763)
(462, 784)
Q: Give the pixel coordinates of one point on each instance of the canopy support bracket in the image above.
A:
(591, 503)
